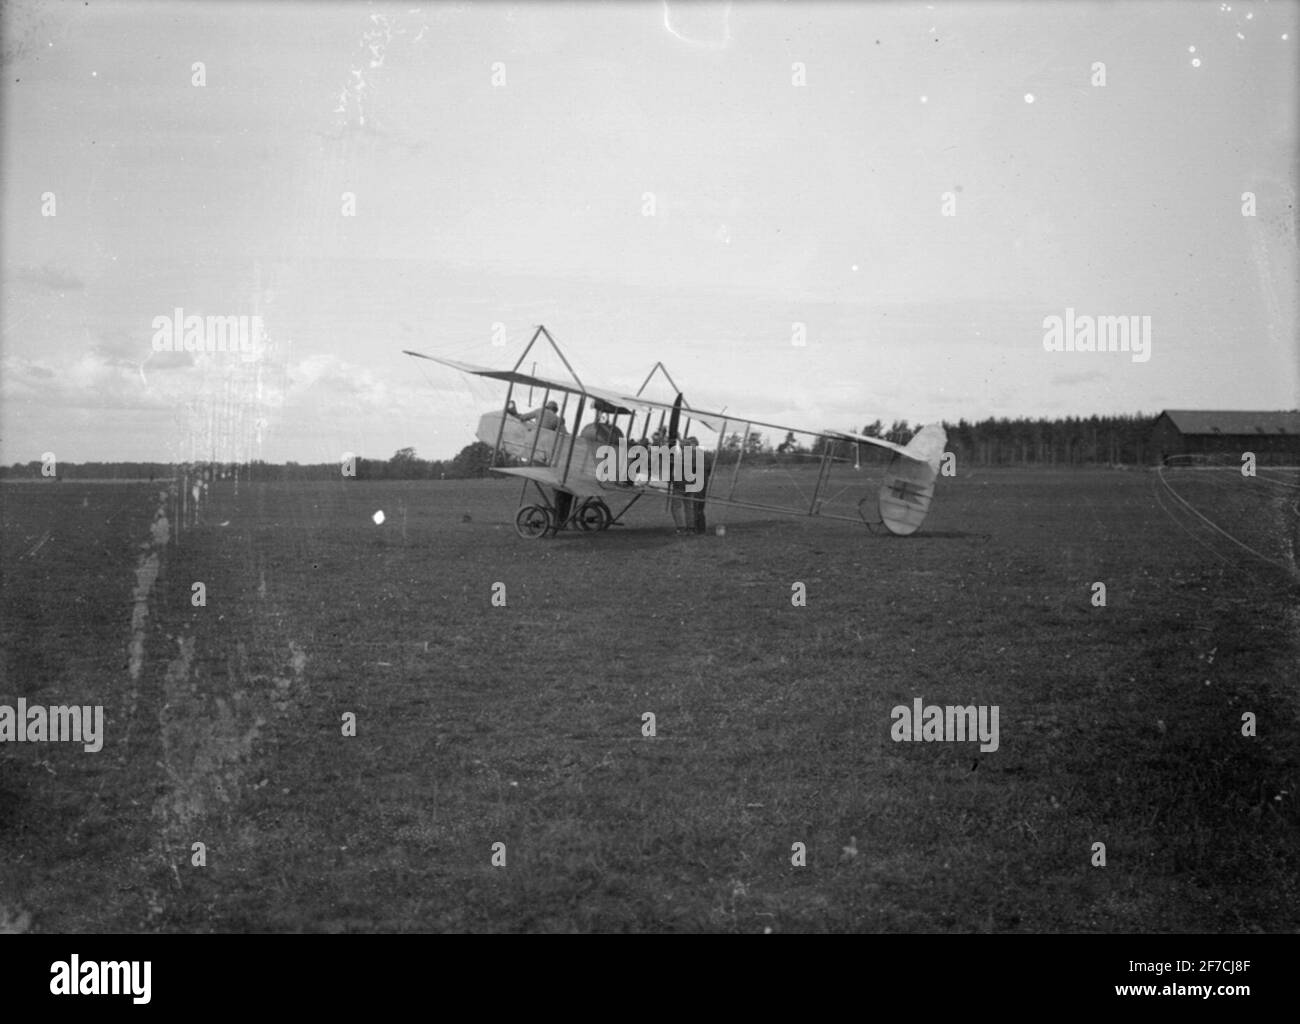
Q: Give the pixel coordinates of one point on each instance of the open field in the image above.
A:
(522, 724)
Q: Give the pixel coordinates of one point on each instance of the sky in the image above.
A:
(910, 190)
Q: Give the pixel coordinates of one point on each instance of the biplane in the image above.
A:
(569, 470)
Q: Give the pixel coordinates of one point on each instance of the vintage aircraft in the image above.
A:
(571, 471)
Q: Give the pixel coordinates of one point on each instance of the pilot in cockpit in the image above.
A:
(601, 430)
(548, 417)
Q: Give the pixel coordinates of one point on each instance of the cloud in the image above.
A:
(98, 379)
(167, 361)
(1084, 377)
(51, 277)
(90, 382)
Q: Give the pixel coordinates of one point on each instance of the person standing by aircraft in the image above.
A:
(695, 499)
(676, 470)
(678, 499)
(563, 507)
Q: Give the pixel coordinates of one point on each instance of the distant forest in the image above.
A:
(1072, 441)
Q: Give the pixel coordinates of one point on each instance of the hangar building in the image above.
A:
(1196, 435)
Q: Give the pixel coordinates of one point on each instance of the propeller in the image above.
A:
(673, 422)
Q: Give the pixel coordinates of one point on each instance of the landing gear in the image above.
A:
(594, 514)
(554, 510)
(534, 521)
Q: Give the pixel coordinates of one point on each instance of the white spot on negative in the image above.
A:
(378, 517)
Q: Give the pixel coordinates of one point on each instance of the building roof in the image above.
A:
(1199, 421)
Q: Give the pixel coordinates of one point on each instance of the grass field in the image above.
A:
(522, 725)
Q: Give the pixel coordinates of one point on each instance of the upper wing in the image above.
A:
(879, 442)
(615, 402)
(717, 422)
(926, 447)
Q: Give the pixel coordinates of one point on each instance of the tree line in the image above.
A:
(1068, 441)
(1063, 441)
(472, 461)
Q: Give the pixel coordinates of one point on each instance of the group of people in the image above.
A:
(687, 507)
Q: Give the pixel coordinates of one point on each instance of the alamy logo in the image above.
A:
(60, 724)
(181, 333)
(1098, 334)
(644, 462)
(102, 978)
(951, 724)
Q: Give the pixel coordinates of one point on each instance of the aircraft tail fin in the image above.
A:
(908, 487)
(929, 444)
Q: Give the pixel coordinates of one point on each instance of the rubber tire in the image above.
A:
(597, 508)
(533, 522)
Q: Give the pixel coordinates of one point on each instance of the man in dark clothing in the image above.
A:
(695, 499)
(549, 417)
(563, 505)
(678, 498)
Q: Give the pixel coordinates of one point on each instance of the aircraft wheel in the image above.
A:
(594, 515)
(533, 521)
